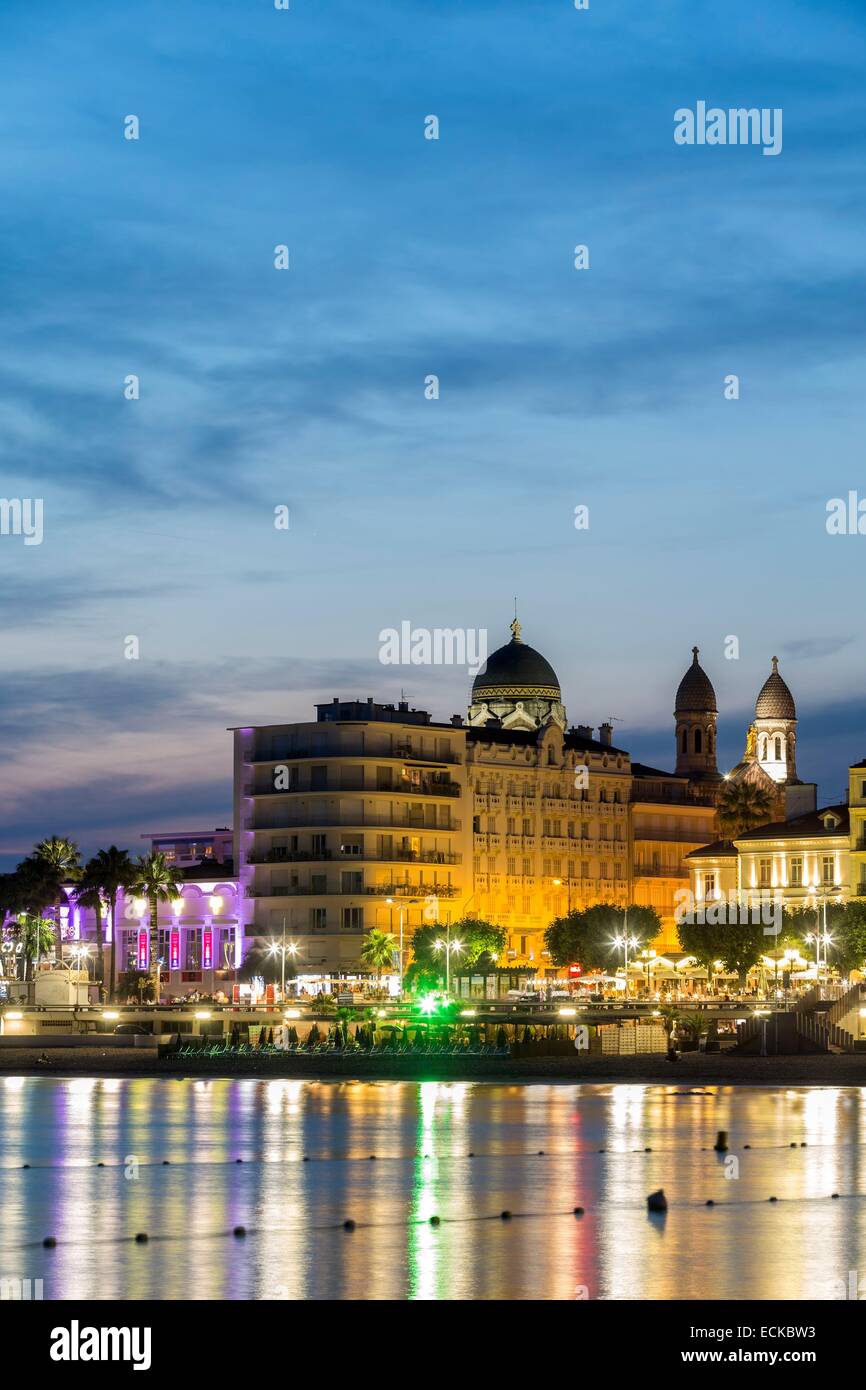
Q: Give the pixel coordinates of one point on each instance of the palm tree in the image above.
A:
(37, 937)
(157, 882)
(743, 806)
(378, 951)
(60, 861)
(88, 893)
(112, 869)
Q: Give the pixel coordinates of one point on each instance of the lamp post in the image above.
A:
(558, 882)
(282, 949)
(448, 945)
(390, 904)
(820, 936)
(648, 956)
(622, 943)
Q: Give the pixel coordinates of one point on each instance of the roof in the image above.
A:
(642, 770)
(775, 700)
(801, 827)
(516, 670)
(695, 693)
(719, 849)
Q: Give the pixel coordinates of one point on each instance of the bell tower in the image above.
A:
(696, 716)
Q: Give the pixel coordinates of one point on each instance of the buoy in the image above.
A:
(25, 1165)
(747, 1146)
(721, 1144)
(306, 1158)
(657, 1201)
(834, 1196)
(141, 1238)
(793, 1144)
(505, 1215)
(49, 1242)
(541, 1153)
(772, 1199)
(803, 1144)
(165, 1162)
(647, 1151)
(348, 1225)
(372, 1157)
(601, 1151)
(238, 1160)
(709, 1202)
(100, 1165)
(578, 1211)
(239, 1231)
(434, 1220)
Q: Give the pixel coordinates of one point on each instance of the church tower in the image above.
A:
(696, 715)
(775, 728)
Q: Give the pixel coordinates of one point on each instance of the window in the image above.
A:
(797, 872)
(319, 883)
(605, 869)
(476, 825)
(192, 949)
(317, 845)
(545, 827)
(351, 882)
(527, 867)
(584, 868)
(709, 885)
(557, 828)
(527, 825)
(511, 865)
(511, 826)
(696, 741)
(684, 743)
(352, 919)
(318, 779)
(556, 866)
(765, 872)
(476, 863)
(778, 750)
(525, 906)
(318, 918)
(828, 869)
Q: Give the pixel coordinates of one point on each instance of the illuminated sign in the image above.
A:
(207, 948)
(142, 950)
(174, 951)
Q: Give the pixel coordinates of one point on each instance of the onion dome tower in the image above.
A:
(775, 728)
(518, 688)
(696, 715)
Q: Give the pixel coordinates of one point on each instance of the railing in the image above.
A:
(401, 754)
(389, 890)
(391, 820)
(409, 789)
(308, 856)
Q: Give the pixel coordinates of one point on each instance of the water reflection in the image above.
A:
(188, 1161)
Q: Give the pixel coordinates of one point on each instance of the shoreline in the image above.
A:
(693, 1069)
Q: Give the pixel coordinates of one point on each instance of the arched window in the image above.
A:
(685, 742)
(697, 741)
(764, 749)
(709, 740)
(778, 750)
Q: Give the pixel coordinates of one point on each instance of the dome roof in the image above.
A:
(775, 700)
(695, 694)
(516, 671)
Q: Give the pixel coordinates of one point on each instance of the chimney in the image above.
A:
(584, 730)
(457, 721)
(605, 733)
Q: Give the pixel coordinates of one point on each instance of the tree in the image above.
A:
(88, 893)
(113, 870)
(60, 862)
(36, 935)
(481, 944)
(157, 882)
(588, 937)
(743, 806)
(377, 951)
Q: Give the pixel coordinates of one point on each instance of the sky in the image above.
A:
(305, 388)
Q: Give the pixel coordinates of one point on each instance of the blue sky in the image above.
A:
(305, 388)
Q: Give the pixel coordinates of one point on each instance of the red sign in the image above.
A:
(574, 970)
(174, 950)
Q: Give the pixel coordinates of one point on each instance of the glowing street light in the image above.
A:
(449, 947)
(282, 949)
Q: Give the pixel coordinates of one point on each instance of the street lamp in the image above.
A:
(622, 943)
(389, 902)
(820, 936)
(648, 956)
(282, 949)
(448, 946)
(558, 882)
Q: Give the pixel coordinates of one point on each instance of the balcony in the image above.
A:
(407, 789)
(391, 820)
(379, 890)
(400, 753)
(306, 856)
